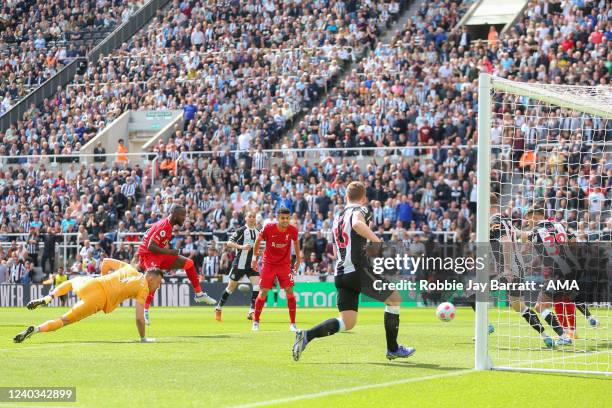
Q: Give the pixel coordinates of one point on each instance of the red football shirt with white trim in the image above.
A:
(278, 244)
(160, 233)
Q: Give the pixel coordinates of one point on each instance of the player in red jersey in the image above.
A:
(154, 253)
(277, 263)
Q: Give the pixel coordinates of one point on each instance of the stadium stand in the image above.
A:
(38, 38)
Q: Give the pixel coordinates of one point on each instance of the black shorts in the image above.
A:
(557, 295)
(352, 284)
(237, 274)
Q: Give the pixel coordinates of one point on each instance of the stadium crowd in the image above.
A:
(38, 38)
(415, 99)
(292, 53)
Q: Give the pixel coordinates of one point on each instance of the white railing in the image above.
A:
(322, 150)
(76, 156)
(65, 245)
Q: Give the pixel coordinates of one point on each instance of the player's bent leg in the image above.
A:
(580, 304)
(192, 274)
(61, 290)
(231, 287)
(79, 311)
(326, 328)
(544, 306)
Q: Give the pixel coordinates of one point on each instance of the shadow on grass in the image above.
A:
(92, 342)
(206, 336)
(403, 364)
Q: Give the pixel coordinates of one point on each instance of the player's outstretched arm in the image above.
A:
(140, 323)
(298, 255)
(109, 264)
(360, 227)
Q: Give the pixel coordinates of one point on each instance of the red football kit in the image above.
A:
(161, 234)
(277, 255)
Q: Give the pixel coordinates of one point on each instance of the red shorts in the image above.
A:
(150, 260)
(270, 272)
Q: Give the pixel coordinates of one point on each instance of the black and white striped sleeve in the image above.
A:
(238, 236)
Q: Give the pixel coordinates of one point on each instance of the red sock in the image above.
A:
(560, 312)
(192, 274)
(149, 300)
(570, 311)
(259, 304)
(291, 305)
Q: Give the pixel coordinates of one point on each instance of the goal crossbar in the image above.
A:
(581, 101)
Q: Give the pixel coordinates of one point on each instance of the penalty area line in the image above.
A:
(352, 389)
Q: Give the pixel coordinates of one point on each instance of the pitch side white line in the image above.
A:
(49, 404)
(352, 389)
(570, 357)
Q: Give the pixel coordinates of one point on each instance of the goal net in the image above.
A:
(544, 194)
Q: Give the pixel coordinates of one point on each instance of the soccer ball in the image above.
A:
(445, 311)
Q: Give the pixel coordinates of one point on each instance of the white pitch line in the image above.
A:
(20, 405)
(547, 360)
(352, 389)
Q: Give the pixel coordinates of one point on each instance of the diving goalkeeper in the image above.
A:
(102, 293)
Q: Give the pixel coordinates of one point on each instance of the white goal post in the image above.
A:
(533, 139)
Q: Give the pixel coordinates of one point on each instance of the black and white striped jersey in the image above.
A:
(350, 246)
(244, 236)
(210, 266)
(551, 242)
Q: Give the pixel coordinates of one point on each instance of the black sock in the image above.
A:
(552, 320)
(223, 298)
(580, 302)
(584, 309)
(533, 320)
(253, 298)
(324, 329)
(391, 330)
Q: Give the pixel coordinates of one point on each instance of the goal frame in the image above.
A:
(486, 84)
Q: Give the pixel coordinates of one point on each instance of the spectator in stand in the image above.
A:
(99, 151)
(122, 151)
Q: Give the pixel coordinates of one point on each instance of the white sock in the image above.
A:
(392, 309)
(342, 325)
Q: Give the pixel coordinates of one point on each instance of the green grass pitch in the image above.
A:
(198, 362)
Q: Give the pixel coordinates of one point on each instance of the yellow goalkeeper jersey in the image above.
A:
(124, 283)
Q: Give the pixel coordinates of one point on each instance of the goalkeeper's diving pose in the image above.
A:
(102, 293)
